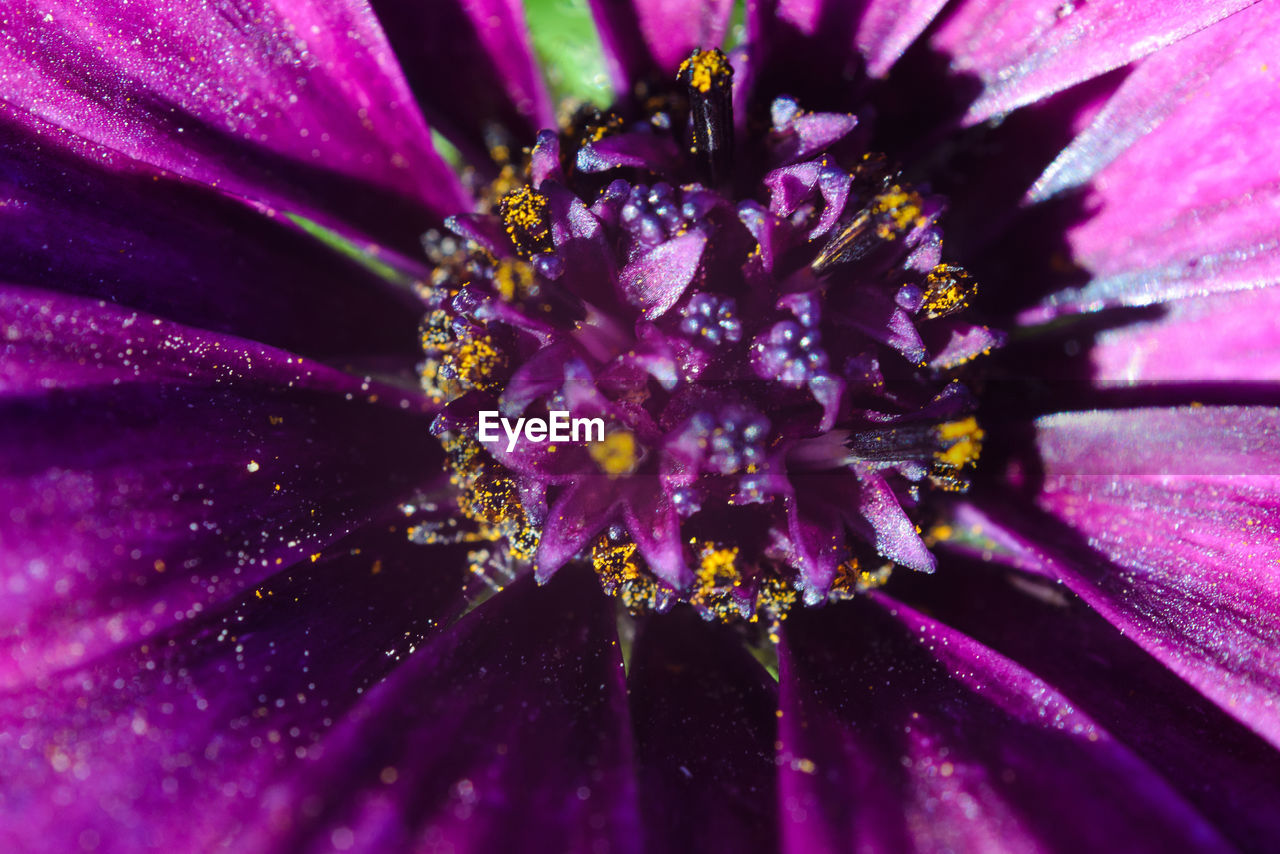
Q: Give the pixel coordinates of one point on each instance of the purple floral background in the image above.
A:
(216, 633)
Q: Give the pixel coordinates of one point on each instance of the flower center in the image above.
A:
(771, 383)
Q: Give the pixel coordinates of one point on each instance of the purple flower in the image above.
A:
(936, 503)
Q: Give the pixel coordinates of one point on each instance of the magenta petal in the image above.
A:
(1190, 528)
(1023, 51)
(924, 740)
(888, 27)
(1160, 86)
(151, 471)
(653, 524)
(507, 732)
(233, 704)
(656, 152)
(1187, 442)
(645, 38)
(185, 253)
(1209, 167)
(580, 513)
(471, 64)
(703, 712)
(293, 105)
(955, 342)
(1228, 337)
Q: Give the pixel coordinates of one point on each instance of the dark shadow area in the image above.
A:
(702, 711)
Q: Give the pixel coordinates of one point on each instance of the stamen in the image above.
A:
(948, 290)
(951, 447)
(891, 214)
(619, 568)
(527, 221)
(708, 75)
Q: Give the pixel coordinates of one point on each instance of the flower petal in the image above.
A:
(1182, 534)
(507, 731)
(888, 27)
(810, 42)
(285, 103)
(1190, 529)
(643, 39)
(922, 739)
(1022, 51)
(151, 471)
(185, 253)
(1226, 337)
(703, 712)
(655, 281)
(1227, 772)
(471, 66)
(1208, 165)
(1160, 86)
(112, 757)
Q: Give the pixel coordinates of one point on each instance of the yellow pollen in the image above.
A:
(617, 454)
(514, 279)
(621, 574)
(904, 208)
(962, 442)
(524, 215)
(948, 289)
(476, 362)
(707, 69)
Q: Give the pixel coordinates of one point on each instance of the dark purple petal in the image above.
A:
(900, 734)
(291, 105)
(471, 66)
(652, 151)
(1227, 772)
(581, 512)
(1022, 51)
(151, 471)
(643, 39)
(704, 716)
(655, 281)
(508, 731)
(1227, 337)
(232, 705)
(183, 252)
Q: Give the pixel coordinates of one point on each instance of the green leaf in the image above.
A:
(565, 40)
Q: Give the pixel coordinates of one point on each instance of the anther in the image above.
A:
(890, 215)
(708, 77)
(948, 289)
(527, 221)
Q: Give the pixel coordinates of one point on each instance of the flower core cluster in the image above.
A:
(767, 328)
